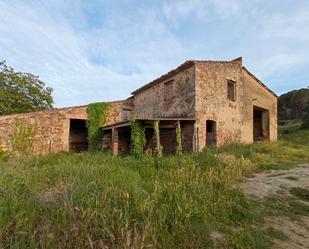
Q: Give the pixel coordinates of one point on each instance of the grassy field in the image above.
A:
(94, 200)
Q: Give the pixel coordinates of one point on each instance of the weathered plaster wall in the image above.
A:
(212, 102)
(151, 102)
(257, 95)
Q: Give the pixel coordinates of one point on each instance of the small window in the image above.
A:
(231, 90)
(168, 90)
(210, 126)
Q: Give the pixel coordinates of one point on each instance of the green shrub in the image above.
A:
(305, 124)
(3, 154)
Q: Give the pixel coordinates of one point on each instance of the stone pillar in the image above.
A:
(157, 134)
(65, 138)
(178, 136)
(115, 144)
(195, 138)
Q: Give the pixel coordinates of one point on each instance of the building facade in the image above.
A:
(211, 102)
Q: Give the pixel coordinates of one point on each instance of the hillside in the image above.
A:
(94, 200)
(294, 105)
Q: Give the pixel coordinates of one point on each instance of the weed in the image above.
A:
(301, 193)
(276, 234)
(123, 202)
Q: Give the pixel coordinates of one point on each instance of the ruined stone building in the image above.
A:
(212, 102)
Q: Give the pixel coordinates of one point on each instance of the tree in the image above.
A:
(305, 124)
(293, 104)
(22, 92)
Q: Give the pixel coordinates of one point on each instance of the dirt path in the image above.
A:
(277, 183)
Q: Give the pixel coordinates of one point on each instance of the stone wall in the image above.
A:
(234, 119)
(156, 102)
(52, 127)
(212, 102)
(196, 89)
(257, 95)
(116, 111)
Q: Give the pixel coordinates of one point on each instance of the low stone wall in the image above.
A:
(52, 127)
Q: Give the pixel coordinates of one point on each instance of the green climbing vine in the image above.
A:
(178, 141)
(138, 139)
(23, 136)
(159, 151)
(97, 115)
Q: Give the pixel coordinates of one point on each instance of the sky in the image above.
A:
(102, 50)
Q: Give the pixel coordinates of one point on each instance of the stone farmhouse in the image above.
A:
(212, 102)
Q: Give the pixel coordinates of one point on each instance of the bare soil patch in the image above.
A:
(278, 184)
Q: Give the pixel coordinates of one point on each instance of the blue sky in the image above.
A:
(102, 50)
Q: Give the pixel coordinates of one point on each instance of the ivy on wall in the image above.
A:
(178, 141)
(159, 148)
(138, 139)
(23, 138)
(97, 116)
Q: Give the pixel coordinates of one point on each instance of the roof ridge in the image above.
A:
(184, 65)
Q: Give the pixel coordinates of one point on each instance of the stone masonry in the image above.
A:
(216, 102)
(52, 127)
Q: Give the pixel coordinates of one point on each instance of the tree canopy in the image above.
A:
(294, 104)
(22, 92)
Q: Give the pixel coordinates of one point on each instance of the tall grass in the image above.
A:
(111, 202)
(121, 202)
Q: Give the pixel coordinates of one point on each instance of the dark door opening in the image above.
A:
(211, 133)
(260, 123)
(78, 140)
(124, 140)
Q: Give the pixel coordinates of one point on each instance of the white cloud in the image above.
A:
(283, 42)
(203, 10)
(50, 46)
(125, 46)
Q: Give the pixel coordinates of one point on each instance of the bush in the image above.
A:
(305, 124)
(3, 154)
